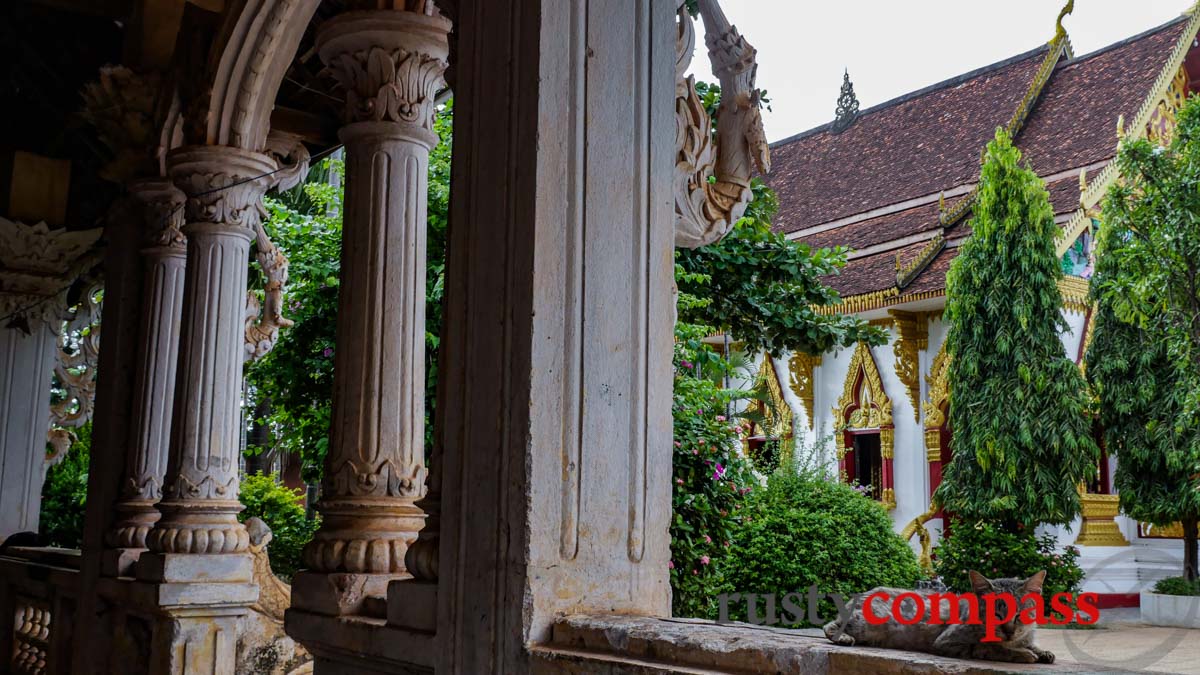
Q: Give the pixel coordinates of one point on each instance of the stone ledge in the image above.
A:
(347, 640)
(686, 645)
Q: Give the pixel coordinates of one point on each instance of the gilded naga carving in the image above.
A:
(706, 209)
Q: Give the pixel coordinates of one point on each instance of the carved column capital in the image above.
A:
(390, 63)
(163, 211)
(38, 265)
(223, 185)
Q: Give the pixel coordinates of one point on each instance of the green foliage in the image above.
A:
(1153, 214)
(803, 529)
(1140, 406)
(1022, 440)
(296, 377)
(998, 553)
(710, 477)
(64, 494)
(280, 508)
(1177, 586)
(762, 288)
(1144, 361)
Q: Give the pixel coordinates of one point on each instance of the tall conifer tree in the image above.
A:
(1022, 440)
(1140, 406)
(1150, 288)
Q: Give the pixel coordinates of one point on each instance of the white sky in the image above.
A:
(896, 46)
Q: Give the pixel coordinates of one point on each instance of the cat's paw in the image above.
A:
(1024, 656)
(843, 640)
(1044, 656)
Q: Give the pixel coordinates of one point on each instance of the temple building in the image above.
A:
(895, 184)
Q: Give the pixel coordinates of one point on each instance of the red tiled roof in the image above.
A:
(903, 149)
(930, 141)
(1075, 121)
(889, 227)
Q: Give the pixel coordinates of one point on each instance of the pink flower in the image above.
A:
(707, 539)
(720, 418)
(679, 481)
(686, 364)
(719, 473)
(695, 451)
(703, 560)
(670, 564)
(678, 444)
(328, 352)
(696, 573)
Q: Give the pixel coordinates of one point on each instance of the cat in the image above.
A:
(960, 640)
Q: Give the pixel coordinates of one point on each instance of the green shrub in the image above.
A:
(994, 552)
(1177, 586)
(278, 506)
(710, 478)
(803, 530)
(64, 494)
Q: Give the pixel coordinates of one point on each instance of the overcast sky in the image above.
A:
(892, 47)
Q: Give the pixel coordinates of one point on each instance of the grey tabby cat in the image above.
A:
(961, 640)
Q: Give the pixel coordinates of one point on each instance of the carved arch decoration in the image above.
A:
(775, 413)
(254, 48)
(863, 407)
(713, 171)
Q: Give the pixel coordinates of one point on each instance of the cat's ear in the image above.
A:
(980, 583)
(1034, 583)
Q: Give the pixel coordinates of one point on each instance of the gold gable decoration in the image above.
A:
(874, 408)
(937, 403)
(913, 336)
(776, 415)
(802, 368)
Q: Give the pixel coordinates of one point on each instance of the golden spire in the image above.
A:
(1121, 127)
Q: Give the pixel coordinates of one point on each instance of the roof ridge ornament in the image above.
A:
(847, 105)
(1059, 31)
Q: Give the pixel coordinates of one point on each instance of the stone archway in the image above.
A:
(864, 414)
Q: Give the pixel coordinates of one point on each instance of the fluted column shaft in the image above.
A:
(224, 188)
(391, 64)
(164, 260)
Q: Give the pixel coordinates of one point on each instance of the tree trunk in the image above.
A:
(1190, 565)
(260, 437)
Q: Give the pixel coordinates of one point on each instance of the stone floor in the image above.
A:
(1122, 642)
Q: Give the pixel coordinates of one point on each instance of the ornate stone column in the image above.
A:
(164, 258)
(37, 265)
(199, 506)
(391, 65)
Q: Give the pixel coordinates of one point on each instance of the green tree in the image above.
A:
(1018, 406)
(1144, 361)
(760, 287)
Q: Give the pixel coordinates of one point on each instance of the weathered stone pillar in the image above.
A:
(37, 265)
(391, 65)
(224, 188)
(199, 570)
(164, 258)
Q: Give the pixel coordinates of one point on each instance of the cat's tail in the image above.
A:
(837, 634)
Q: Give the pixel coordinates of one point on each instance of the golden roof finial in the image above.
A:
(1121, 127)
(1082, 185)
(942, 202)
(1059, 31)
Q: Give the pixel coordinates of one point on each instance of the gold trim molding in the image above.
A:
(802, 369)
(913, 336)
(1099, 526)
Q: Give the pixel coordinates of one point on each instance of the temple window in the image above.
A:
(864, 413)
